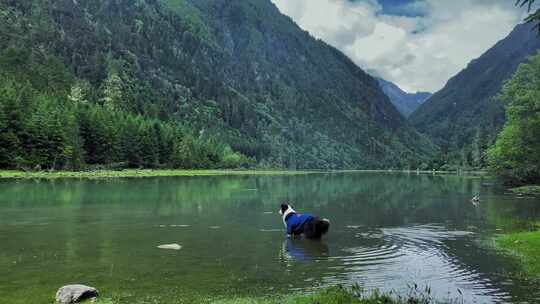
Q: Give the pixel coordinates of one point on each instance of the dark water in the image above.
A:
(388, 231)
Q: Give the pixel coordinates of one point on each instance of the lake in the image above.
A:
(389, 231)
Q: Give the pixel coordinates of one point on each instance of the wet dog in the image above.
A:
(312, 227)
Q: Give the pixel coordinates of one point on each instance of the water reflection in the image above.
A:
(304, 250)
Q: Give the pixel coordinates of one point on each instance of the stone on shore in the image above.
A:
(170, 246)
(75, 294)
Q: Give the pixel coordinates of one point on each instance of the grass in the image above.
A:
(527, 190)
(332, 295)
(6, 174)
(329, 296)
(100, 301)
(525, 245)
(138, 173)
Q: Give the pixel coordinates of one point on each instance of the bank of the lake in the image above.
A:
(135, 173)
(524, 245)
(527, 190)
(332, 295)
(140, 173)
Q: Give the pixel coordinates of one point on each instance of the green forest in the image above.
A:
(48, 122)
(169, 68)
(52, 119)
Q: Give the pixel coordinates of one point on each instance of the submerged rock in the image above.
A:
(75, 294)
(170, 246)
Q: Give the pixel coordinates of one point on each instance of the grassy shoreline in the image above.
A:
(135, 173)
(527, 190)
(331, 295)
(524, 245)
(141, 173)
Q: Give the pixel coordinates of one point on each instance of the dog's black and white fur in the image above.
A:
(312, 227)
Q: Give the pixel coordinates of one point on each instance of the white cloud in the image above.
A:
(417, 53)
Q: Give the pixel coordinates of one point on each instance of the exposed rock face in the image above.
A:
(75, 293)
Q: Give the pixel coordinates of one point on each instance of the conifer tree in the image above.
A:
(6, 157)
(129, 141)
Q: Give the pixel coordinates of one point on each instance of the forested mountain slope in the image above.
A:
(234, 71)
(406, 103)
(466, 115)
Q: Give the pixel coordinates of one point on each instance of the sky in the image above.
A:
(417, 44)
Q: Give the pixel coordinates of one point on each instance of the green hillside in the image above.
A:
(181, 83)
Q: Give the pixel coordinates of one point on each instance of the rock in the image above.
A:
(170, 246)
(75, 293)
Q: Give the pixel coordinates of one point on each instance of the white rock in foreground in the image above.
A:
(170, 246)
(75, 293)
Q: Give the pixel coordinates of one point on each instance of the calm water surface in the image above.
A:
(388, 231)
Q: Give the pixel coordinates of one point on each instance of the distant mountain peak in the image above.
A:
(406, 103)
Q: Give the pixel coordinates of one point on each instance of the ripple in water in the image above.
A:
(388, 258)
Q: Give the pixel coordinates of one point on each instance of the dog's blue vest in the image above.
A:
(295, 222)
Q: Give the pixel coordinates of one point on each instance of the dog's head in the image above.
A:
(284, 207)
(286, 211)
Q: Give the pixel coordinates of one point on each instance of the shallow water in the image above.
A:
(388, 232)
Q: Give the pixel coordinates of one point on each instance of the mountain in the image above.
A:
(466, 115)
(406, 103)
(236, 70)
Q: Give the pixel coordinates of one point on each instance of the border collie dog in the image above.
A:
(312, 227)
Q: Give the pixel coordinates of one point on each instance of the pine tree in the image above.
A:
(149, 144)
(73, 150)
(14, 133)
(165, 134)
(38, 145)
(6, 158)
(184, 152)
(129, 142)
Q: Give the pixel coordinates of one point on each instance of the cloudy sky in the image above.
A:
(417, 44)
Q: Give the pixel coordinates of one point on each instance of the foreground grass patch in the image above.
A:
(332, 295)
(335, 295)
(526, 245)
(140, 173)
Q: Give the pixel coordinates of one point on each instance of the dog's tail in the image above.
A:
(316, 228)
